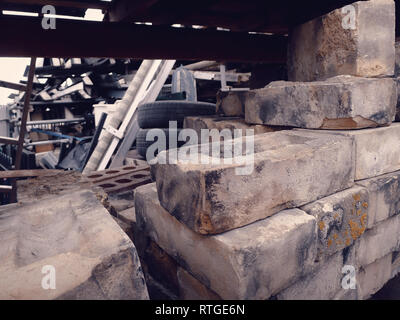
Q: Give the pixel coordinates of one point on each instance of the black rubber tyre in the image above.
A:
(158, 114)
(142, 144)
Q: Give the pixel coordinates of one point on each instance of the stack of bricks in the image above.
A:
(318, 203)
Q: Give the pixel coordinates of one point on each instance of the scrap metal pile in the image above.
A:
(70, 95)
(61, 108)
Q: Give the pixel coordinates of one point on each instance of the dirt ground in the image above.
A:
(42, 187)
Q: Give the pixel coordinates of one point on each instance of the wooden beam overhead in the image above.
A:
(238, 15)
(24, 36)
(124, 10)
(8, 140)
(81, 4)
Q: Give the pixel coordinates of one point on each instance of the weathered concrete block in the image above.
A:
(245, 263)
(192, 289)
(342, 102)
(221, 123)
(373, 277)
(378, 241)
(92, 257)
(325, 282)
(332, 44)
(127, 228)
(290, 169)
(377, 151)
(341, 219)
(231, 103)
(384, 197)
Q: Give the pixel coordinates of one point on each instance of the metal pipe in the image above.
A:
(201, 65)
(39, 143)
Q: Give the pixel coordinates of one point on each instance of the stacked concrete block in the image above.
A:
(384, 200)
(287, 169)
(373, 277)
(230, 104)
(363, 221)
(324, 282)
(279, 257)
(358, 227)
(228, 123)
(340, 67)
(316, 215)
(379, 241)
(356, 40)
(165, 274)
(377, 151)
(67, 247)
(224, 123)
(373, 255)
(342, 218)
(245, 263)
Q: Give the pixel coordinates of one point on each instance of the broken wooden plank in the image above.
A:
(86, 39)
(13, 86)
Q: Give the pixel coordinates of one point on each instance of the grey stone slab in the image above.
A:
(342, 102)
(287, 169)
(92, 257)
(382, 239)
(373, 277)
(377, 151)
(252, 262)
(325, 281)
